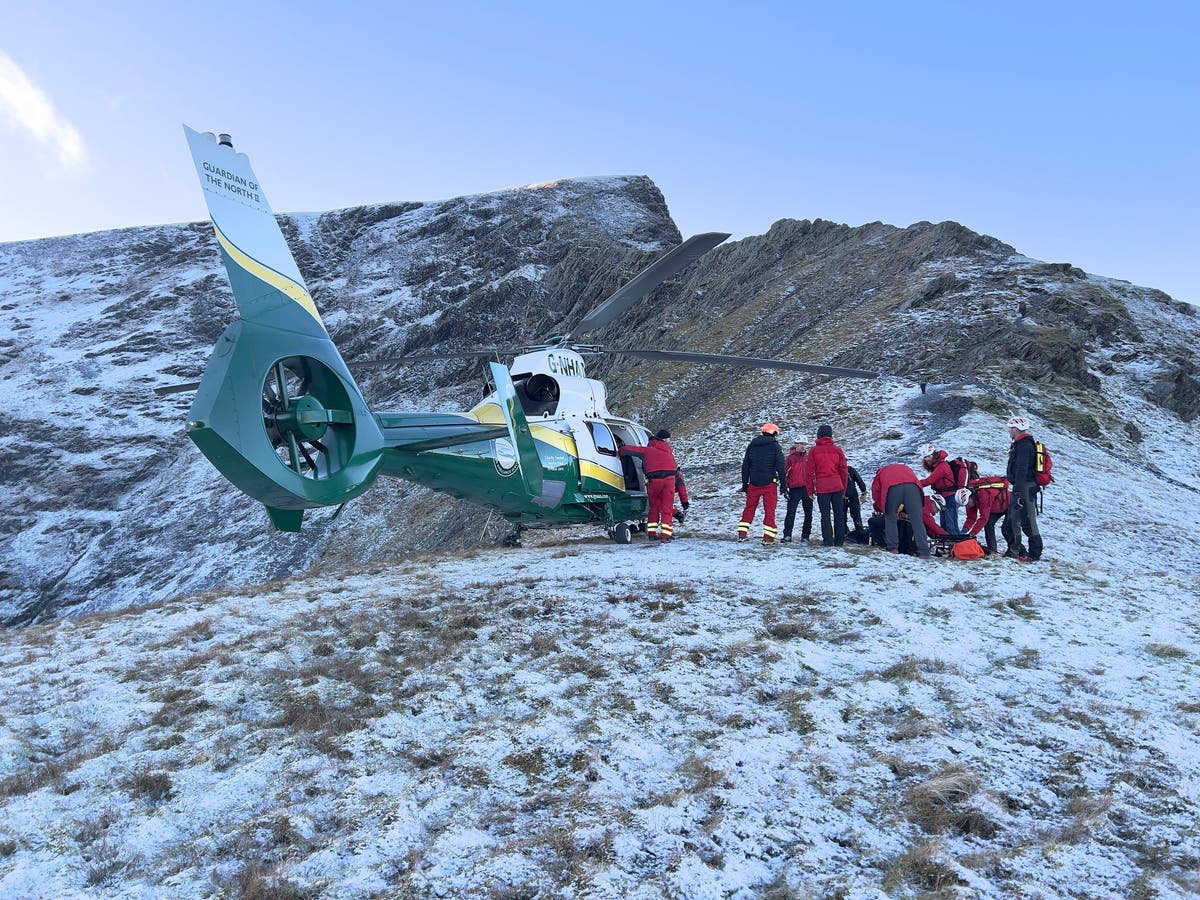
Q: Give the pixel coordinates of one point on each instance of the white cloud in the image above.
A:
(26, 107)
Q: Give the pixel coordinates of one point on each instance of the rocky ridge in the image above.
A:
(109, 502)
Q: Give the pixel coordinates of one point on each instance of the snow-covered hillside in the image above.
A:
(581, 719)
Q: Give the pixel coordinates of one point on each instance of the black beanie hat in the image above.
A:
(825, 431)
(662, 434)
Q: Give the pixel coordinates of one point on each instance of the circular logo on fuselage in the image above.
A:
(506, 456)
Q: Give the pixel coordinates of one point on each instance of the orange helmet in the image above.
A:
(770, 428)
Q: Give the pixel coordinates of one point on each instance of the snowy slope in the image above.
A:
(579, 719)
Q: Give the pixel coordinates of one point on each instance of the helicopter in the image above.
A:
(278, 413)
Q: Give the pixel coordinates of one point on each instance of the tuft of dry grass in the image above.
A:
(153, 786)
(912, 668)
(1166, 651)
(531, 763)
(939, 804)
(923, 866)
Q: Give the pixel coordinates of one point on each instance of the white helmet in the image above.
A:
(963, 496)
(927, 450)
(1019, 422)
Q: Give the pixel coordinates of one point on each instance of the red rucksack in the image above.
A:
(964, 470)
(1043, 464)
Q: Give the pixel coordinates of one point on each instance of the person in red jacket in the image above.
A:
(895, 486)
(827, 482)
(662, 480)
(941, 479)
(797, 484)
(930, 507)
(987, 505)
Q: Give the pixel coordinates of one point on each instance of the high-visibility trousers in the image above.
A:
(769, 494)
(661, 494)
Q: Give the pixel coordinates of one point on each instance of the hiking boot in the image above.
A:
(741, 538)
(769, 542)
(1023, 558)
(785, 540)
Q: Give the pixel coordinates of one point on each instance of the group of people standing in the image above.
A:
(821, 473)
(897, 494)
(805, 475)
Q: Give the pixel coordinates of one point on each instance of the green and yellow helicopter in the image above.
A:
(279, 414)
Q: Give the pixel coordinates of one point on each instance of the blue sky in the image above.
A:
(1068, 130)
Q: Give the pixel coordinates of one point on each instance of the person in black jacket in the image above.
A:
(1022, 505)
(856, 490)
(763, 471)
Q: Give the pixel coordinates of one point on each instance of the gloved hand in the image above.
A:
(863, 497)
(685, 506)
(743, 488)
(679, 515)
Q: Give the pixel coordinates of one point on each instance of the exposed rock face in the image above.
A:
(103, 491)
(105, 494)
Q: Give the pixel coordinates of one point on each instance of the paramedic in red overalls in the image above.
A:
(662, 479)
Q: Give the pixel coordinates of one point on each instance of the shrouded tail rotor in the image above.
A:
(281, 418)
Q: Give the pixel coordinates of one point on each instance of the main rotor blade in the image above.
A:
(427, 357)
(176, 388)
(648, 279)
(754, 362)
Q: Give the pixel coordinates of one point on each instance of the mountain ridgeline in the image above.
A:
(108, 503)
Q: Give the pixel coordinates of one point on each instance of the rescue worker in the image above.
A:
(662, 480)
(827, 482)
(930, 506)
(894, 486)
(988, 504)
(856, 491)
(1022, 504)
(763, 471)
(797, 485)
(941, 479)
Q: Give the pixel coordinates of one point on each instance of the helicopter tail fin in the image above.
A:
(276, 411)
(528, 460)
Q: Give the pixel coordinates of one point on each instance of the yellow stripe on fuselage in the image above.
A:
(491, 414)
(591, 470)
(264, 273)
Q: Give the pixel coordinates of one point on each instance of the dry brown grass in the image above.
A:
(913, 668)
(53, 772)
(1166, 651)
(923, 866)
(153, 786)
(939, 804)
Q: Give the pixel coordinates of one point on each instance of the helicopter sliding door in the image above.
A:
(631, 466)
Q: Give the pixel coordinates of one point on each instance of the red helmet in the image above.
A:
(770, 428)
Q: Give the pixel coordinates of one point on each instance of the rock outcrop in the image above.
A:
(105, 494)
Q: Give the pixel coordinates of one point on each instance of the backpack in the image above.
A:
(967, 550)
(1043, 464)
(964, 470)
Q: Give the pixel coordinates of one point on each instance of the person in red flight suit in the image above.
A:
(895, 486)
(928, 509)
(941, 479)
(662, 480)
(988, 505)
(797, 484)
(827, 482)
(763, 471)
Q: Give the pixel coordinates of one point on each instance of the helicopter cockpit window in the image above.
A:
(605, 442)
